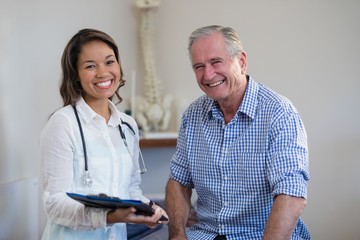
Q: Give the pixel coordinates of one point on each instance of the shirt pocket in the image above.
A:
(251, 172)
(100, 174)
(99, 168)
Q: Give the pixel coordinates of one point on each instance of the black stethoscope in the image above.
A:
(87, 177)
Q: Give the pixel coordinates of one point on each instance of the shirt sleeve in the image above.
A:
(179, 166)
(57, 146)
(288, 162)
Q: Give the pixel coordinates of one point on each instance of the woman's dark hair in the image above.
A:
(70, 88)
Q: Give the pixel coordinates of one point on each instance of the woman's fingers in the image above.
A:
(129, 215)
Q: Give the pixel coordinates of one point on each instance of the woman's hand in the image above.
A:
(158, 213)
(128, 215)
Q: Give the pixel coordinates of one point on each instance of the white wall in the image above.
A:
(33, 35)
(306, 50)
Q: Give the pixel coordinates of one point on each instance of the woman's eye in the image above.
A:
(89, 66)
(110, 62)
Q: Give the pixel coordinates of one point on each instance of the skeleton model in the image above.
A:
(153, 111)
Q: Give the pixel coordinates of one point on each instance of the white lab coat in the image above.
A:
(112, 170)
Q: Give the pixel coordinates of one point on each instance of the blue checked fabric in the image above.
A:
(238, 168)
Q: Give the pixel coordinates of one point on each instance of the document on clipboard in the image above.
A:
(103, 201)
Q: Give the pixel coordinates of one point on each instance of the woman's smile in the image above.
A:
(104, 84)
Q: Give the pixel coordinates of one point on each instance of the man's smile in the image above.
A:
(215, 83)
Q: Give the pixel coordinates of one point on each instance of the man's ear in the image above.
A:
(243, 62)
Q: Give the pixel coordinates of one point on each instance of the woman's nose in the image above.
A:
(102, 71)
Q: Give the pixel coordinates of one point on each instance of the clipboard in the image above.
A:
(114, 203)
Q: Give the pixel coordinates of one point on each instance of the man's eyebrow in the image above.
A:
(216, 59)
(211, 60)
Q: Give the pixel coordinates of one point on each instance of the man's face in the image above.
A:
(217, 74)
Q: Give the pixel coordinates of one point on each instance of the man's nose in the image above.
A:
(209, 72)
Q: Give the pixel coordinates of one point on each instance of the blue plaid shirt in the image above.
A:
(238, 168)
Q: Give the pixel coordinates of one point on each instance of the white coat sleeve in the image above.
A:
(57, 152)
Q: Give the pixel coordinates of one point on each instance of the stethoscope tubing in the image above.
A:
(87, 179)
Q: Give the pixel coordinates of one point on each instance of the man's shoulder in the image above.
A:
(269, 97)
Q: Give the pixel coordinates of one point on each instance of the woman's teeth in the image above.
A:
(103, 84)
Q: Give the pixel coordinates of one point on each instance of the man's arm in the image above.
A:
(283, 217)
(178, 206)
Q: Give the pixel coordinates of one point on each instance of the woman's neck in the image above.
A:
(100, 107)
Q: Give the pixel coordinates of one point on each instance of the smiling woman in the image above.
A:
(99, 72)
(92, 75)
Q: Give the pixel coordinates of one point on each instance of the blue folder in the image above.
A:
(103, 201)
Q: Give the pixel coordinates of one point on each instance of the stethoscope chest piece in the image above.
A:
(87, 179)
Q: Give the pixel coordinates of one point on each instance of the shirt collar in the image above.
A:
(250, 101)
(248, 105)
(88, 114)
